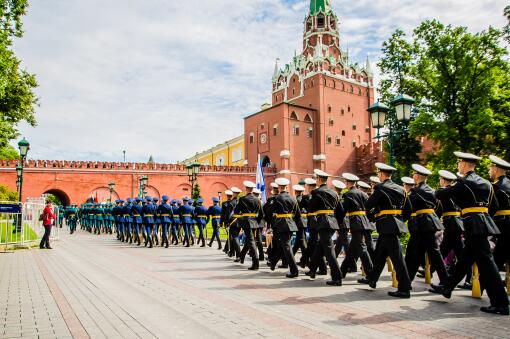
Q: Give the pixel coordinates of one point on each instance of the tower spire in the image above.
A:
(276, 68)
(317, 6)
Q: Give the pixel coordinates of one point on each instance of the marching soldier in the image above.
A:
(201, 219)
(367, 189)
(286, 218)
(497, 172)
(166, 215)
(226, 212)
(258, 231)
(475, 196)
(452, 222)
(186, 214)
(391, 207)
(354, 201)
(325, 205)
(214, 216)
(148, 221)
(342, 241)
(249, 212)
(128, 220)
(300, 242)
(176, 222)
(273, 252)
(424, 203)
(412, 243)
(136, 217)
(157, 222)
(234, 229)
(71, 216)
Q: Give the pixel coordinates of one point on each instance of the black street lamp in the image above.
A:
(403, 105)
(144, 181)
(193, 171)
(24, 146)
(111, 187)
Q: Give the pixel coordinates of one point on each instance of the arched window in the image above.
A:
(252, 137)
(328, 139)
(309, 132)
(295, 129)
(276, 129)
(329, 108)
(337, 141)
(320, 21)
(331, 122)
(343, 133)
(293, 116)
(308, 118)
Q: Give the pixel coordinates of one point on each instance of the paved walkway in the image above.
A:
(93, 286)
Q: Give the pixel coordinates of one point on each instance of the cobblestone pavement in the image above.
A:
(93, 286)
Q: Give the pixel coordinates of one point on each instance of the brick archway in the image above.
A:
(183, 190)
(102, 194)
(216, 188)
(61, 195)
(152, 192)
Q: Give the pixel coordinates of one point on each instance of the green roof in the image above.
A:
(317, 6)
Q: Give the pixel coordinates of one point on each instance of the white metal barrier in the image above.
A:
(20, 225)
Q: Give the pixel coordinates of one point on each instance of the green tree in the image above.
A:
(460, 81)
(196, 192)
(17, 99)
(54, 200)
(7, 195)
(8, 153)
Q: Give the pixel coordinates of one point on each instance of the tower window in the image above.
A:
(309, 132)
(353, 127)
(343, 133)
(307, 118)
(348, 108)
(293, 116)
(329, 108)
(331, 122)
(337, 141)
(342, 111)
(320, 21)
(354, 143)
(328, 139)
(252, 137)
(262, 126)
(295, 129)
(275, 129)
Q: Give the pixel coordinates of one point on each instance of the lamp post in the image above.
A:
(144, 181)
(24, 146)
(111, 187)
(219, 196)
(403, 105)
(193, 171)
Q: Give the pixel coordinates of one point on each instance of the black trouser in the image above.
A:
(477, 250)
(342, 241)
(326, 248)
(234, 246)
(286, 251)
(45, 241)
(249, 246)
(357, 249)
(300, 242)
(452, 241)
(388, 245)
(216, 235)
(502, 251)
(427, 244)
(313, 244)
(258, 242)
(275, 253)
(412, 250)
(369, 242)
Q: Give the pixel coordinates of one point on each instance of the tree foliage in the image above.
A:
(17, 99)
(7, 195)
(8, 153)
(196, 191)
(461, 84)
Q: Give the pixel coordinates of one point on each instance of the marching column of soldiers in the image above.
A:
(321, 222)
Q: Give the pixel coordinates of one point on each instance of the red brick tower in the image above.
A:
(318, 117)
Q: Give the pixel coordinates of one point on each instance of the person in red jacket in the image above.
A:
(48, 218)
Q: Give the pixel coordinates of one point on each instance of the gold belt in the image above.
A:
(126, 215)
(388, 212)
(237, 215)
(425, 211)
(216, 216)
(352, 214)
(186, 215)
(164, 215)
(322, 212)
(136, 215)
(451, 214)
(413, 215)
(282, 216)
(148, 215)
(475, 210)
(502, 212)
(201, 216)
(304, 215)
(248, 215)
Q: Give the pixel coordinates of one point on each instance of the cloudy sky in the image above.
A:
(172, 77)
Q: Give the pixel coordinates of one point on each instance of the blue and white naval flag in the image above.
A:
(261, 184)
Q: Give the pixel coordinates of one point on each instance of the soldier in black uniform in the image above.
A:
(354, 202)
(501, 216)
(274, 252)
(424, 203)
(366, 188)
(412, 243)
(300, 242)
(452, 222)
(326, 206)
(249, 213)
(226, 211)
(475, 196)
(286, 218)
(258, 232)
(390, 207)
(313, 240)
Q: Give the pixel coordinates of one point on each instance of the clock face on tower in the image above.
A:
(263, 138)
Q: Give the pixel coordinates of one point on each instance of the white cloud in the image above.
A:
(171, 78)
